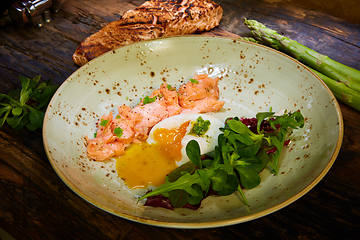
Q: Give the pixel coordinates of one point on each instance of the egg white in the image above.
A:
(207, 142)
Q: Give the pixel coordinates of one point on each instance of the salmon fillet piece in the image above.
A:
(171, 99)
(151, 114)
(106, 144)
(153, 19)
(200, 95)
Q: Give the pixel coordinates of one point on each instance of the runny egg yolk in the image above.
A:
(146, 164)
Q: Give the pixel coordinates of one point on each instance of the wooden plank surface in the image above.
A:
(36, 204)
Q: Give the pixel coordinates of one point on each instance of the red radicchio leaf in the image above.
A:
(164, 202)
(158, 201)
(271, 150)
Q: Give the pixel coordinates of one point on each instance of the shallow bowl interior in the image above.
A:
(252, 78)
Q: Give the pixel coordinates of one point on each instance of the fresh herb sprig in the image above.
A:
(192, 80)
(199, 127)
(234, 165)
(147, 99)
(25, 107)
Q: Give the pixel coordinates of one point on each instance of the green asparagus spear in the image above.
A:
(332, 69)
(250, 39)
(339, 89)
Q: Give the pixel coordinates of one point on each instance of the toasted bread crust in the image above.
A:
(153, 19)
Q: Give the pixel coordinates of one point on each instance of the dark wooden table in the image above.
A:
(36, 204)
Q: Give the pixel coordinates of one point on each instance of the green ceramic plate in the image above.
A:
(253, 78)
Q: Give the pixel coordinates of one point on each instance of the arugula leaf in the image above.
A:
(179, 198)
(288, 120)
(238, 127)
(188, 167)
(261, 116)
(184, 182)
(274, 158)
(299, 120)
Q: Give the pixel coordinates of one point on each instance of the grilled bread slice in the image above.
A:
(153, 19)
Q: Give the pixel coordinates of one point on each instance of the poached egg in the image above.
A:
(146, 164)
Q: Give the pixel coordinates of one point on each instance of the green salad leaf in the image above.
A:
(235, 164)
(261, 116)
(25, 107)
(193, 152)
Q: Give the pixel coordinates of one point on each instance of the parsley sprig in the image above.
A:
(194, 80)
(118, 132)
(199, 127)
(103, 122)
(25, 107)
(148, 99)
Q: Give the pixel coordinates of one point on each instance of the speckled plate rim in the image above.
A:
(212, 224)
